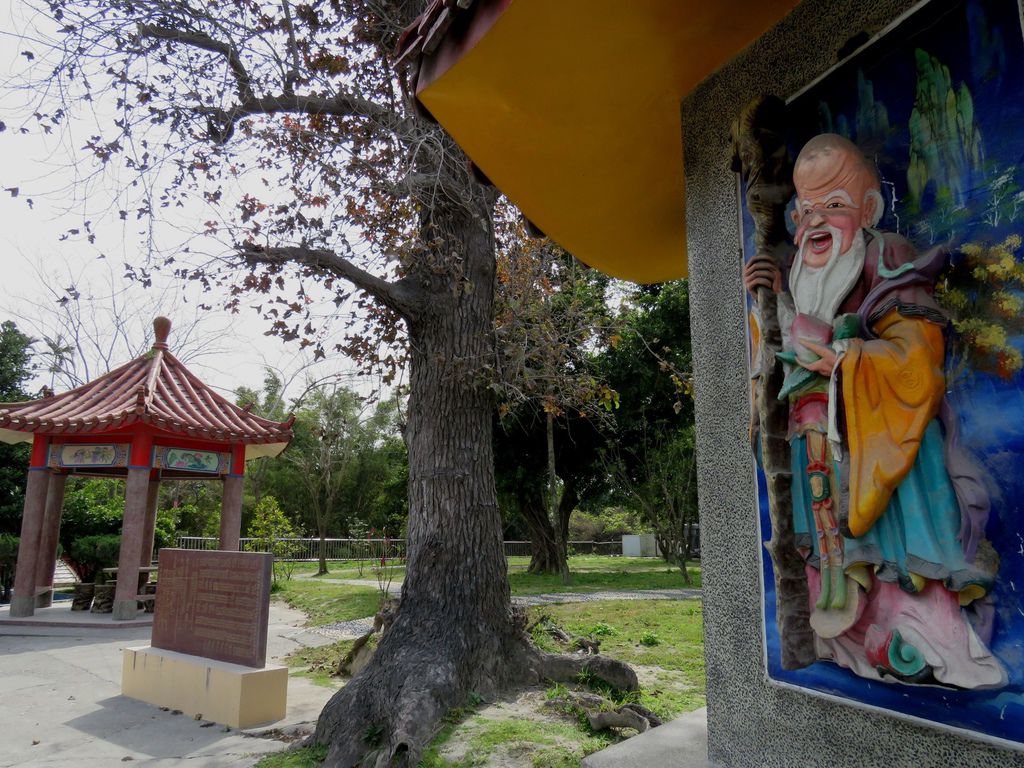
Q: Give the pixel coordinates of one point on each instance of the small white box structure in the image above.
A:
(639, 545)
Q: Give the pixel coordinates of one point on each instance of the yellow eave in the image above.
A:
(571, 108)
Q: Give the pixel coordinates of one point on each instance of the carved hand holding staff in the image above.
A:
(761, 158)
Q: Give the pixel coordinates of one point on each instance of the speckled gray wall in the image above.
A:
(750, 722)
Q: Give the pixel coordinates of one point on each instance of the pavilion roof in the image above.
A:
(155, 389)
(572, 109)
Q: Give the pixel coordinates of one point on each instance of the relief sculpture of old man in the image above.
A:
(886, 512)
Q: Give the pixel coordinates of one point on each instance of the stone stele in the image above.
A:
(213, 604)
(209, 642)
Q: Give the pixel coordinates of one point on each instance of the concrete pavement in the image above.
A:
(61, 704)
(681, 743)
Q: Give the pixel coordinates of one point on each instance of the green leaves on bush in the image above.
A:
(601, 628)
(89, 554)
(271, 532)
(8, 548)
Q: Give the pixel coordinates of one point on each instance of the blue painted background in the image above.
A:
(870, 98)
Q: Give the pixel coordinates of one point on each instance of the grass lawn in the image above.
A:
(663, 641)
(590, 573)
(326, 602)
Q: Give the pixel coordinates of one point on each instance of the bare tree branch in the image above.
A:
(340, 105)
(292, 75)
(400, 296)
(206, 43)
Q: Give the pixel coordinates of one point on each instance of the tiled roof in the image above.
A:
(428, 30)
(156, 389)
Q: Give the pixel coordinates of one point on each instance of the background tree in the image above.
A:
(322, 453)
(371, 484)
(659, 478)
(195, 505)
(286, 124)
(374, 495)
(652, 459)
(521, 461)
(551, 315)
(16, 369)
(262, 473)
(90, 322)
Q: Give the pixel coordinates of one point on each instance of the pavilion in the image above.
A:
(150, 419)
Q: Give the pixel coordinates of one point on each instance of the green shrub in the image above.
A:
(650, 639)
(602, 628)
(166, 529)
(90, 554)
(269, 529)
(8, 548)
(92, 507)
(8, 556)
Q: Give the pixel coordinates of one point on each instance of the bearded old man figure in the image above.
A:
(886, 514)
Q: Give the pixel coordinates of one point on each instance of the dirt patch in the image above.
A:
(656, 677)
(493, 728)
(519, 731)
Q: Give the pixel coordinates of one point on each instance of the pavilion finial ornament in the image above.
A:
(883, 511)
(161, 331)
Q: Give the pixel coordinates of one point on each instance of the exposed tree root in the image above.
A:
(601, 714)
(356, 658)
(390, 711)
(579, 643)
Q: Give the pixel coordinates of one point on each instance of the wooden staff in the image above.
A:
(761, 158)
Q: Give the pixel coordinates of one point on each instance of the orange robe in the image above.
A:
(892, 389)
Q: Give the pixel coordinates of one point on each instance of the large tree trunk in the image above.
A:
(454, 631)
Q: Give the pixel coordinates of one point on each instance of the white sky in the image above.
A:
(30, 243)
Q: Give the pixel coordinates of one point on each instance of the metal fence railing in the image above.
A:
(366, 549)
(308, 548)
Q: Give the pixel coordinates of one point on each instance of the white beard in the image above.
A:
(819, 291)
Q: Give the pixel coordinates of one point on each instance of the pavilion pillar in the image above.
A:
(231, 513)
(135, 503)
(149, 531)
(48, 539)
(23, 600)
(231, 502)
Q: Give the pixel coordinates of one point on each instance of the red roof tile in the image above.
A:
(155, 389)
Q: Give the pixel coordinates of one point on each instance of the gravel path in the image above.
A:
(343, 630)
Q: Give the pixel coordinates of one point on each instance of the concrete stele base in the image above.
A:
(44, 599)
(229, 694)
